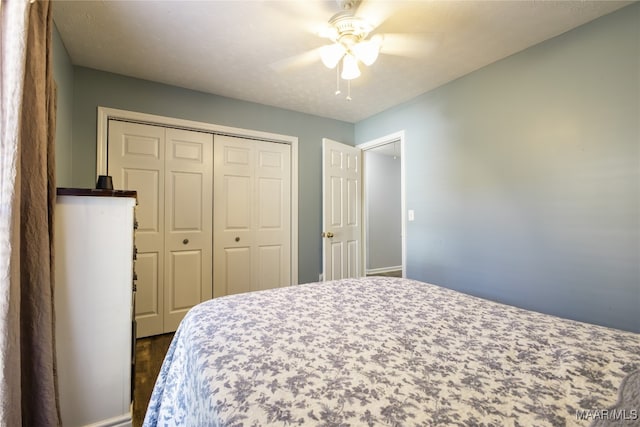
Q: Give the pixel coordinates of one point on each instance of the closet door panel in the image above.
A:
(237, 277)
(184, 280)
(233, 160)
(269, 277)
(188, 227)
(237, 191)
(136, 162)
(149, 209)
(252, 186)
(272, 222)
(147, 296)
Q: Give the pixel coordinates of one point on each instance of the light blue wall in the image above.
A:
(63, 76)
(96, 88)
(524, 176)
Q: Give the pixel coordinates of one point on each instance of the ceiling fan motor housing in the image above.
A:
(350, 29)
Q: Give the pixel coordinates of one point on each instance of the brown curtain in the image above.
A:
(27, 199)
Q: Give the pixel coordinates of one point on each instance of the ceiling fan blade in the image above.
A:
(410, 45)
(367, 51)
(305, 15)
(375, 12)
(297, 61)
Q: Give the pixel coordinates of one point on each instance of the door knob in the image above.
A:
(185, 241)
(237, 239)
(327, 234)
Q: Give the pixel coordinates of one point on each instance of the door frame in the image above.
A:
(105, 114)
(384, 140)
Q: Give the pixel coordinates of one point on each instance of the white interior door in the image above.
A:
(252, 215)
(188, 234)
(341, 210)
(136, 162)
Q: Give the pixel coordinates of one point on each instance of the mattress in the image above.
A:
(390, 351)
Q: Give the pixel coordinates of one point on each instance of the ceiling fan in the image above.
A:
(349, 30)
(349, 33)
(354, 38)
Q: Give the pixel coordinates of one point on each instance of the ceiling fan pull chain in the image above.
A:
(338, 80)
(348, 90)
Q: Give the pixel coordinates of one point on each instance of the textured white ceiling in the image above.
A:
(255, 50)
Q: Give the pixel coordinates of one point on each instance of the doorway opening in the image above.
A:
(383, 193)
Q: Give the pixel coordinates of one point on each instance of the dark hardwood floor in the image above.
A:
(150, 353)
(397, 273)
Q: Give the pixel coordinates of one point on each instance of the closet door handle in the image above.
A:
(185, 241)
(237, 239)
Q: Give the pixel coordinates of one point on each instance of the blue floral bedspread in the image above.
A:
(386, 351)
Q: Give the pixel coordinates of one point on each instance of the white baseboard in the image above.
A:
(383, 269)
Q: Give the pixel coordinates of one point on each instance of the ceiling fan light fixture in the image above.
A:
(367, 51)
(331, 54)
(350, 68)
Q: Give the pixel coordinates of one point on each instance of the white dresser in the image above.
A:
(94, 240)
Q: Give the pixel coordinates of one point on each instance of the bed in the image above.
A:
(390, 351)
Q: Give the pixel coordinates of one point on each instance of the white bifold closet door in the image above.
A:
(251, 215)
(171, 169)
